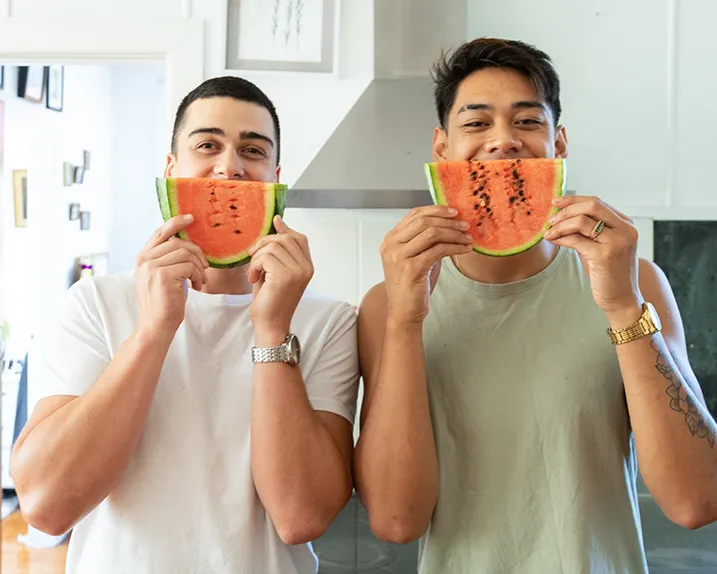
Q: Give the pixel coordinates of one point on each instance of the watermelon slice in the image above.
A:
(229, 215)
(507, 202)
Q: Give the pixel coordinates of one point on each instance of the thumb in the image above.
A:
(280, 224)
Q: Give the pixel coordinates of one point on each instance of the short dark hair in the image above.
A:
(227, 87)
(451, 69)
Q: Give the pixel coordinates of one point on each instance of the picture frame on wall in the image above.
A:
(55, 88)
(19, 179)
(2, 77)
(31, 81)
(74, 211)
(84, 220)
(282, 35)
(79, 174)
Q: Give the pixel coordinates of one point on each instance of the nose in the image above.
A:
(503, 141)
(229, 165)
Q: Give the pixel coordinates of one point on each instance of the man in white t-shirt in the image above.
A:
(158, 439)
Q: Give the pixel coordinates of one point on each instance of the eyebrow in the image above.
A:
(526, 104)
(244, 135)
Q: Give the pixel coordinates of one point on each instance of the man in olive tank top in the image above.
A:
(508, 400)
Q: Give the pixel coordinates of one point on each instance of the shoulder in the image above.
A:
(101, 292)
(319, 312)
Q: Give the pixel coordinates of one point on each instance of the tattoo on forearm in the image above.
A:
(681, 402)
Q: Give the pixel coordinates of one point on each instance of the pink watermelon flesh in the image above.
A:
(507, 202)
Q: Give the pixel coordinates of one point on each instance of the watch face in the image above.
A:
(653, 316)
(294, 349)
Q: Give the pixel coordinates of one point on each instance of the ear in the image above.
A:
(440, 144)
(169, 167)
(561, 142)
(278, 174)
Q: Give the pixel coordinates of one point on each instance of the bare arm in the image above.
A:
(395, 461)
(395, 466)
(73, 450)
(300, 457)
(674, 433)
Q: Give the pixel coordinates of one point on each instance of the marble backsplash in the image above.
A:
(687, 253)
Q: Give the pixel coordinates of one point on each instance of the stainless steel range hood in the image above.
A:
(375, 157)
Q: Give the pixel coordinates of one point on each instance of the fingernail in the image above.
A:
(188, 218)
(464, 225)
(557, 199)
(553, 219)
(468, 235)
(452, 211)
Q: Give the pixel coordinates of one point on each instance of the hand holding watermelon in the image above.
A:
(161, 270)
(606, 241)
(280, 270)
(409, 253)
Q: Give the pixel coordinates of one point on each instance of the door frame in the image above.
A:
(176, 43)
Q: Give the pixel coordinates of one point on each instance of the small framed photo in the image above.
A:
(2, 77)
(79, 174)
(74, 211)
(19, 177)
(31, 83)
(68, 174)
(86, 159)
(84, 220)
(55, 87)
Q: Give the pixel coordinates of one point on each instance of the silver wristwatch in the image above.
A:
(289, 352)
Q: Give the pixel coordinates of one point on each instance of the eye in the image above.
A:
(207, 145)
(255, 151)
(530, 121)
(475, 124)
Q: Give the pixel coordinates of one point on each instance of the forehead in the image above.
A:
(495, 86)
(228, 114)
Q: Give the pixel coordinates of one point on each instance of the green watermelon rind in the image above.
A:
(439, 198)
(276, 197)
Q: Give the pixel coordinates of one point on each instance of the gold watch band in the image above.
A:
(647, 324)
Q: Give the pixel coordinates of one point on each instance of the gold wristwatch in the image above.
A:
(647, 324)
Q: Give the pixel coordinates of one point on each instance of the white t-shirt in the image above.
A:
(187, 503)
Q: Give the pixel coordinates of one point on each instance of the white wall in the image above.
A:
(39, 259)
(138, 155)
(635, 94)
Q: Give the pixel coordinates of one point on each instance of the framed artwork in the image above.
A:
(68, 174)
(19, 179)
(74, 211)
(84, 220)
(2, 77)
(79, 174)
(31, 82)
(86, 159)
(55, 87)
(281, 35)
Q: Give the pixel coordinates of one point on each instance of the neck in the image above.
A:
(497, 270)
(227, 281)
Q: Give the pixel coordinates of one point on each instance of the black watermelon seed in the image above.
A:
(520, 193)
(233, 207)
(475, 192)
(217, 225)
(511, 199)
(488, 209)
(529, 213)
(522, 199)
(517, 161)
(478, 224)
(481, 188)
(237, 232)
(515, 174)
